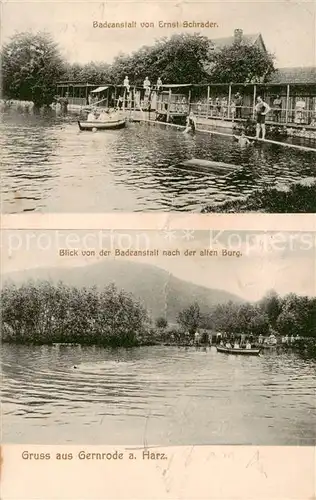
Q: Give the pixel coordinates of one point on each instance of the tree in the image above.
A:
(241, 63)
(189, 318)
(31, 65)
(259, 324)
(271, 305)
(161, 322)
(224, 317)
(288, 323)
(179, 59)
(182, 58)
(298, 316)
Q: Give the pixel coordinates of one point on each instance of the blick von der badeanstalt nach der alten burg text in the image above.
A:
(206, 252)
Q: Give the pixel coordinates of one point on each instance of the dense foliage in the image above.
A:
(298, 199)
(289, 315)
(180, 59)
(43, 313)
(183, 58)
(241, 63)
(31, 66)
(190, 318)
(46, 313)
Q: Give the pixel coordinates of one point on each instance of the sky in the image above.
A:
(287, 27)
(283, 261)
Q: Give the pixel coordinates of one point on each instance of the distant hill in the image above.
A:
(160, 292)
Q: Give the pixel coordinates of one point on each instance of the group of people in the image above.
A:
(103, 115)
(261, 110)
(145, 91)
(236, 345)
(218, 107)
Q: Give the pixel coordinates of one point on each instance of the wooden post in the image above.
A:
(254, 101)
(287, 104)
(86, 93)
(124, 97)
(229, 100)
(169, 104)
(115, 103)
(208, 101)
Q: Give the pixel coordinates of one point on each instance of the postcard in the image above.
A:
(158, 293)
(180, 356)
(158, 107)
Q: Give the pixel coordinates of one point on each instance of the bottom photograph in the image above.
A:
(172, 337)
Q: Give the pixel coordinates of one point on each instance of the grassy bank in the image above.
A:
(299, 198)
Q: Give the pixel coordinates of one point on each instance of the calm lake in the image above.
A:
(155, 395)
(49, 166)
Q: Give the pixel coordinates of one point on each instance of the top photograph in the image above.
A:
(200, 107)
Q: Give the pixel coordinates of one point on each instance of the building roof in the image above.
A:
(220, 43)
(294, 75)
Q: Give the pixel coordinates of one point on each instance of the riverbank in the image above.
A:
(298, 198)
(155, 337)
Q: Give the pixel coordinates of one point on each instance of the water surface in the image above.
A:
(155, 395)
(49, 166)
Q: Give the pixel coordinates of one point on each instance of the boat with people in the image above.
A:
(103, 120)
(238, 350)
(110, 125)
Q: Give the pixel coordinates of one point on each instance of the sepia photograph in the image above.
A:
(169, 338)
(201, 107)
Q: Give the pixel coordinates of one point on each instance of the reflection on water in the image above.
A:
(49, 166)
(155, 395)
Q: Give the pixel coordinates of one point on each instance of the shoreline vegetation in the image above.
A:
(300, 197)
(32, 63)
(42, 313)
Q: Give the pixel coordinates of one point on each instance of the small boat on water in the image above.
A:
(102, 125)
(217, 165)
(240, 350)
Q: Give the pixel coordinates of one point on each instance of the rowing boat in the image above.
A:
(233, 350)
(108, 125)
(217, 165)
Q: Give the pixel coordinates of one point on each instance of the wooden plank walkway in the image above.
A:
(215, 132)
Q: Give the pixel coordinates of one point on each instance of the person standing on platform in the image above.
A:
(261, 109)
(126, 83)
(238, 103)
(159, 84)
(277, 108)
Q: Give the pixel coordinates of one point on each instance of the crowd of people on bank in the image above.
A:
(244, 342)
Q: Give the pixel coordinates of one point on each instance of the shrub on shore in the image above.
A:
(43, 313)
(299, 198)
